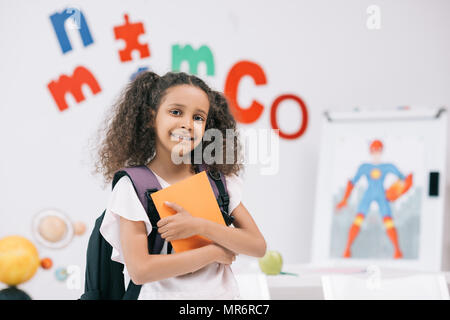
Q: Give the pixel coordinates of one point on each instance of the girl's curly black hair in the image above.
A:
(127, 136)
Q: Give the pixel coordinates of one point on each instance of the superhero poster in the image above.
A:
(377, 186)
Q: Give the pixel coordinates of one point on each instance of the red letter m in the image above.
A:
(73, 84)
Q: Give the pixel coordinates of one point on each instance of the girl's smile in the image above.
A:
(181, 119)
(181, 137)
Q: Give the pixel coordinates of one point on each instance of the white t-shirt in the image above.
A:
(214, 281)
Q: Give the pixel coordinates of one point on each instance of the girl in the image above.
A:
(155, 118)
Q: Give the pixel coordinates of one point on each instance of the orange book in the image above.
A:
(196, 196)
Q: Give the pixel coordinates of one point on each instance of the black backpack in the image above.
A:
(104, 277)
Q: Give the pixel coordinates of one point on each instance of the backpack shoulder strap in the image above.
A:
(144, 182)
(143, 179)
(219, 185)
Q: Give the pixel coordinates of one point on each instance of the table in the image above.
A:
(308, 284)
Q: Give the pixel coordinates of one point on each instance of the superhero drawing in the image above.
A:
(376, 173)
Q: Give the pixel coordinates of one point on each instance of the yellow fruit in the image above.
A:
(19, 260)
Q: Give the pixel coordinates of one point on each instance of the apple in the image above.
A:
(271, 263)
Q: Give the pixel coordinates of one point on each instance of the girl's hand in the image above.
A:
(223, 255)
(178, 226)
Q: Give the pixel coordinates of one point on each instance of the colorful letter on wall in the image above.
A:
(139, 70)
(193, 57)
(273, 116)
(58, 21)
(236, 73)
(129, 32)
(73, 84)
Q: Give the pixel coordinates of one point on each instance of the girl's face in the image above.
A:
(181, 118)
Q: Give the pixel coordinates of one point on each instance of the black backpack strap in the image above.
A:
(218, 183)
(142, 178)
(145, 183)
(155, 242)
(223, 199)
(132, 292)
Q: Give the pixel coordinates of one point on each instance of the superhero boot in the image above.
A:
(353, 232)
(392, 234)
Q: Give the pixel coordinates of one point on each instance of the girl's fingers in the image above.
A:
(168, 237)
(162, 229)
(163, 222)
(165, 235)
(174, 206)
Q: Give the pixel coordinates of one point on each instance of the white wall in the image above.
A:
(321, 51)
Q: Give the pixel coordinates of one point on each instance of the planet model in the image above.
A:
(19, 260)
(52, 228)
(79, 228)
